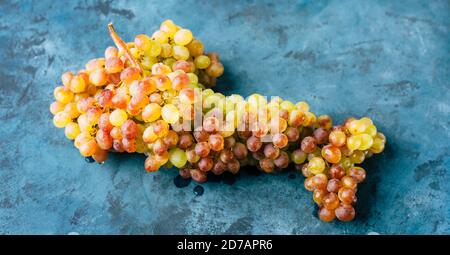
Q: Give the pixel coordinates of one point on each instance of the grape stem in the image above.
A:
(123, 47)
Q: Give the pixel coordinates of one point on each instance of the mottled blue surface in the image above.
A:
(388, 60)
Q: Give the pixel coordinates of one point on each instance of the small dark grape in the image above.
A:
(226, 156)
(292, 134)
(240, 151)
(270, 151)
(185, 141)
(219, 167)
(309, 144)
(321, 135)
(345, 212)
(233, 166)
(202, 149)
(205, 164)
(254, 143)
(282, 161)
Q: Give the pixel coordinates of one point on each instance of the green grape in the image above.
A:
(177, 157)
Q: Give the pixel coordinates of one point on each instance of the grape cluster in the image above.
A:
(150, 96)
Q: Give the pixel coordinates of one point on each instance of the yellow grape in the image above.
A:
(56, 107)
(371, 130)
(183, 37)
(366, 141)
(118, 117)
(302, 106)
(72, 110)
(168, 27)
(61, 119)
(354, 142)
(166, 50)
(72, 130)
(316, 165)
(63, 95)
(177, 157)
(170, 113)
(151, 112)
(160, 36)
(287, 105)
(78, 84)
(180, 52)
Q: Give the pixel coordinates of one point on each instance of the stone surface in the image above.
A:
(388, 60)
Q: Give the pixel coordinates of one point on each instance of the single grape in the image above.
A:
(219, 168)
(100, 156)
(200, 134)
(151, 112)
(202, 149)
(240, 150)
(253, 143)
(195, 47)
(280, 140)
(104, 140)
(151, 164)
(316, 165)
(185, 141)
(160, 128)
(72, 130)
(319, 195)
(345, 212)
(326, 215)
(319, 181)
(61, 119)
(321, 135)
(216, 142)
(267, 165)
(129, 129)
(308, 144)
(226, 156)
(198, 176)
(118, 117)
(298, 156)
(292, 134)
(354, 142)
(233, 166)
(202, 62)
(191, 156)
(88, 148)
(171, 139)
(180, 52)
(63, 95)
(177, 157)
(325, 122)
(333, 185)
(296, 118)
(282, 161)
(337, 138)
(357, 173)
(130, 74)
(331, 201)
(331, 154)
(349, 182)
(215, 69)
(56, 107)
(205, 164)
(129, 144)
(159, 147)
(270, 151)
(346, 195)
(183, 37)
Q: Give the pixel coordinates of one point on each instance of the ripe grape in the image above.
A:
(118, 117)
(148, 136)
(180, 52)
(195, 47)
(151, 112)
(270, 151)
(160, 128)
(63, 95)
(129, 144)
(254, 143)
(331, 201)
(202, 62)
(104, 140)
(233, 166)
(354, 142)
(215, 69)
(319, 195)
(337, 138)
(324, 122)
(349, 182)
(319, 181)
(118, 146)
(296, 118)
(292, 134)
(216, 142)
(331, 154)
(56, 107)
(316, 165)
(72, 130)
(334, 185)
(282, 161)
(309, 144)
(61, 119)
(100, 156)
(219, 167)
(151, 164)
(358, 173)
(211, 124)
(130, 74)
(326, 215)
(308, 184)
(202, 149)
(88, 148)
(205, 164)
(346, 195)
(226, 156)
(267, 165)
(280, 140)
(298, 156)
(345, 212)
(198, 176)
(321, 135)
(159, 146)
(171, 139)
(357, 157)
(191, 156)
(200, 134)
(183, 37)
(177, 157)
(240, 151)
(185, 141)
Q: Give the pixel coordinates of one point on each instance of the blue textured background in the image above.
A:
(389, 60)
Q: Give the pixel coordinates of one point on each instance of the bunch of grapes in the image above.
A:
(150, 96)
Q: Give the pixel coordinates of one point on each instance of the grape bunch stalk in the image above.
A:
(153, 96)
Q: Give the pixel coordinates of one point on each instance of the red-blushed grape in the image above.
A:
(240, 151)
(270, 151)
(78, 84)
(215, 69)
(116, 133)
(117, 145)
(292, 134)
(200, 135)
(149, 135)
(253, 143)
(325, 122)
(191, 156)
(185, 141)
(104, 140)
(171, 139)
(319, 195)
(100, 156)
(129, 129)
(349, 182)
(331, 154)
(280, 140)
(233, 166)
(296, 118)
(219, 167)
(336, 171)
(160, 128)
(309, 144)
(358, 173)
(319, 181)
(202, 149)
(129, 144)
(346, 195)
(333, 185)
(309, 184)
(93, 115)
(130, 74)
(305, 171)
(198, 176)
(160, 68)
(205, 164)
(282, 161)
(120, 101)
(151, 112)
(156, 98)
(88, 148)
(162, 158)
(216, 142)
(151, 164)
(226, 156)
(326, 215)
(114, 65)
(337, 138)
(267, 165)
(321, 135)
(345, 212)
(182, 65)
(111, 52)
(211, 124)
(159, 147)
(105, 98)
(298, 156)
(187, 96)
(330, 201)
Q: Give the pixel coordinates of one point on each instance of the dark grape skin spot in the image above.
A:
(199, 190)
(89, 159)
(180, 182)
